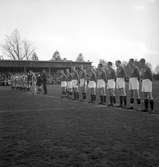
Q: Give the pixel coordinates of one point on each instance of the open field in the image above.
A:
(39, 131)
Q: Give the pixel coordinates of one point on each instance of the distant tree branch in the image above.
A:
(17, 49)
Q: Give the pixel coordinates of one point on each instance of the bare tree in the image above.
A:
(56, 56)
(34, 57)
(17, 49)
(103, 62)
(28, 50)
(80, 58)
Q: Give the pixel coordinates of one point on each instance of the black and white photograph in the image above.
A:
(79, 83)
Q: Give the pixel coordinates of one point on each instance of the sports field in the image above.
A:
(47, 131)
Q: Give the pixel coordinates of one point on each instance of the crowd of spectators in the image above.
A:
(5, 79)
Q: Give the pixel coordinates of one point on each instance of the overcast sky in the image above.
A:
(100, 29)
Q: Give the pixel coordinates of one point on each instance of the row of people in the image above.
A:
(79, 83)
(5, 79)
(29, 81)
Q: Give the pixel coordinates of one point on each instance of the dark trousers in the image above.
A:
(45, 88)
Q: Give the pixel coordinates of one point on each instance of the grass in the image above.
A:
(39, 131)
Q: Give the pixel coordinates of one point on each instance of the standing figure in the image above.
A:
(63, 79)
(120, 83)
(146, 75)
(12, 81)
(28, 81)
(83, 83)
(33, 83)
(101, 84)
(111, 83)
(69, 83)
(75, 83)
(44, 81)
(91, 85)
(39, 83)
(134, 79)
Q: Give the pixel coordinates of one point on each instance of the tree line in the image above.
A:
(16, 48)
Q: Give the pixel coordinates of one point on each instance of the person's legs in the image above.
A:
(82, 93)
(138, 97)
(112, 98)
(62, 91)
(94, 95)
(104, 96)
(151, 102)
(146, 102)
(131, 99)
(77, 92)
(121, 97)
(89, 95)
(111, 91)
(100, 93)
(35, 89)
(44, 88)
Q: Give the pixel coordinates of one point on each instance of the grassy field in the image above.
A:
(39, 131)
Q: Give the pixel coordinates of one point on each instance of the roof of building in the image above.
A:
(41, 64)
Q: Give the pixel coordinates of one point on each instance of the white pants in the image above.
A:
(133, 84)
(111, 84)
(120, 83)
(92, 84)
(74, 83)
(146, 86)
(63, 84)
(100, 83)
(69, 84)
(83, 82)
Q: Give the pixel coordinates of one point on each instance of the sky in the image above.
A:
(99, 29)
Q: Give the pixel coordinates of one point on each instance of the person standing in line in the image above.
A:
(33, 81)
(111, 83)
(28, 81)
(39, 83)
(120, 83)
(69, 83)
(146, 75)
(91, 75)
(75, 83)
(134, 80)
(63, 79)
(101, 84)
(83, 83)
(44, 81)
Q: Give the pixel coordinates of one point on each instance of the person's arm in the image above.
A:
(114, 74)
(150, 74)
(105, 76)
(138, 74)
(95, 76)
(124, 73)
(77, 75)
